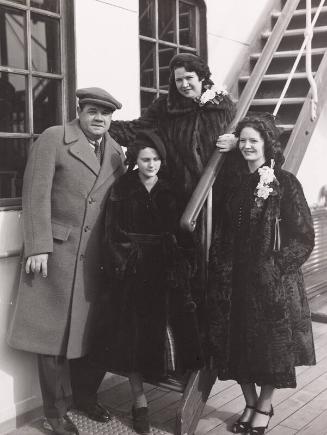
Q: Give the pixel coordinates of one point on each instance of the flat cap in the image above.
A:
(97, 96)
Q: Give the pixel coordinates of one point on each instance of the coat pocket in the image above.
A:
(60, 231)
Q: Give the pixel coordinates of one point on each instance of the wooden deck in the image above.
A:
(297, 411)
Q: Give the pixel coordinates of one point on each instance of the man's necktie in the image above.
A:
(97, 150)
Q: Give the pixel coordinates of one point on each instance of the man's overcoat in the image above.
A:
(64, 194)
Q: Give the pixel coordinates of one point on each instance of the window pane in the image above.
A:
(186, 24)
(13, 116)
(12, 39)
(167, 20)
(165, 55)
(48, 5)
(146, 99)
(147, 64)
(12, 164)
(45, 44)
(46, 103)
(147, 18)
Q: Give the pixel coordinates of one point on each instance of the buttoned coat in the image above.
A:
(64, 195)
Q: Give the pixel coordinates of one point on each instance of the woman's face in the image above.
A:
(188, 83)
(252, 146)
(148, 162)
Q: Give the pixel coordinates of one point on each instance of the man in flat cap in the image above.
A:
(69, 171)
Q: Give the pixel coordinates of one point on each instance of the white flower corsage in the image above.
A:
(267, 184)
(213, 94)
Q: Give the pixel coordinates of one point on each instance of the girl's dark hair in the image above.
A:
(264, 124)
(145, 139)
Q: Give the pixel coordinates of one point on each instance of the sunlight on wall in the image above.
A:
(312, 172)
(108, 54)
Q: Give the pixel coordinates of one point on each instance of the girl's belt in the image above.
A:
(146, 239)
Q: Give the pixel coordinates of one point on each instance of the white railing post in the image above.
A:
(308, 55)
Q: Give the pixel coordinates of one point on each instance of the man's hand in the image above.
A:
(226, 142)
(38, 264)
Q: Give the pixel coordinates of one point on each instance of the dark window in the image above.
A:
(35, 39)
(167, 27)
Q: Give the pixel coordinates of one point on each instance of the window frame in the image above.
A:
(67, 75)
(200, 38)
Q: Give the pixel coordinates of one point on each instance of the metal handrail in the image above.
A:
(306, 44)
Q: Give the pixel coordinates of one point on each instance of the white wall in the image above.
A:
(312, 172)
(232, 25)
(107, 50)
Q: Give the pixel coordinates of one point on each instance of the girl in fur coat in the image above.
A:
(148, 271)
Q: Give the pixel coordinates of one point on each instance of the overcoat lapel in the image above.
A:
(111, 161)
(80, 147)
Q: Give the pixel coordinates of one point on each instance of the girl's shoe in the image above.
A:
(260, 430)
(242, 426)
(141, 422)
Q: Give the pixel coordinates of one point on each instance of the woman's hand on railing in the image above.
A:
(226, 142)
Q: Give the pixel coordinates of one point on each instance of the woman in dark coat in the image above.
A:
(260, 326)
(189, 120)
(147, 277)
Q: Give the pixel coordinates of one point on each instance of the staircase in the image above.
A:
(281, 63)
(260, 90)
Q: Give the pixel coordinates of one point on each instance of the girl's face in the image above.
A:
(148, 162)
(252, 146)
(188, 83)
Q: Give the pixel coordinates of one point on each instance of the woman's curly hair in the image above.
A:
(264, 124)
(191, 62)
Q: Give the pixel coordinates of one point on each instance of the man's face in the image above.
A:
(94, 120)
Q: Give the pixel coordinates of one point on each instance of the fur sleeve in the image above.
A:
(297, 233)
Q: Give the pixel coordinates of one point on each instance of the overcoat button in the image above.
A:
(81, 257)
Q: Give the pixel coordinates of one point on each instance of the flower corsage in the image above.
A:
(213, 94)
(268, 184)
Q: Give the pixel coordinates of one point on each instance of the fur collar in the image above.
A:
(130, 184)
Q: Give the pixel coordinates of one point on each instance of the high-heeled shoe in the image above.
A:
(242, 426)
(260, 430)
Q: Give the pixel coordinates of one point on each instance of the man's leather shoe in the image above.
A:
(70, 425)
(61, 426)
(96, 411)
(141, 422)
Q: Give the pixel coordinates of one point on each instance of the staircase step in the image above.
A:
(272, 86)
(297, 32)
(300, 12)
(287, 113)
(298, 20)
(302, 3)
(291, 53)
(277, 77)
(293, 39)
(282, 61)
(285, 127)
(274, 101)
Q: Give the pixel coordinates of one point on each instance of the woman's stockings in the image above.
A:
(263, 404)
(251, 397)
(136, 383)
